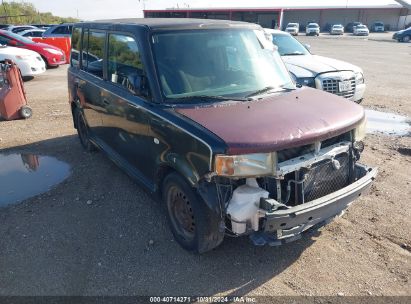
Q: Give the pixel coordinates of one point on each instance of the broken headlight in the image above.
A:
(360, 130)
(257, 164)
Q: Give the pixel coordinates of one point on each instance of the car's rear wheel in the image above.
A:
(194, 226)
(83, 130)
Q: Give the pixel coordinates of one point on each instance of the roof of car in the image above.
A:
(272, 31)
(31, 30)
(161, 23)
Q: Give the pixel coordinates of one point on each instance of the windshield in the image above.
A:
(288, 45)
(379, 24)
(361, 26)
(312, 26)
(292, 25)
(337, 26)
(223, 63)
(19, 38)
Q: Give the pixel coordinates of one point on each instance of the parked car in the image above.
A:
(29, 63)
(350, 26)
(211, 121)
(378, 26)
(18, 28)
(32, 33)
(312, 29)
(361, 30)
(337, 29)
(292, 28)
(331, 75)
(43, 25)
(51, 55)
(59, 30)
(403, 35)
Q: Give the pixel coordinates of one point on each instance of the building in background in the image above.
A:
(393, 14)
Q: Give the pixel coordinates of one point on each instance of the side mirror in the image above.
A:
(307, 46)
(12, 42)
(138, 85)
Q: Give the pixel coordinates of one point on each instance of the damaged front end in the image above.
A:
(274, 197)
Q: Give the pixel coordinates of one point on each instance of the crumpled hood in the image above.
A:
(311, 65)
(278, 121)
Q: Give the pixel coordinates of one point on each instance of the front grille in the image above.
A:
(332, 86)
(323, 178)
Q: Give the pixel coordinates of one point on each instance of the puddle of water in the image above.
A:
(387, 123)
(25, 175)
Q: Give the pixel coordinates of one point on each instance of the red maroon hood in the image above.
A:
(278, 122)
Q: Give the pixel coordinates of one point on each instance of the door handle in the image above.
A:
(106, 102)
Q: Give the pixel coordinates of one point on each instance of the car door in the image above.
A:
(89, 80)
(124, 118)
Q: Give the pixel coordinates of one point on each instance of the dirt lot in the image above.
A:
(119, 244)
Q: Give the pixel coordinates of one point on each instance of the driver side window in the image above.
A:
(124, 61)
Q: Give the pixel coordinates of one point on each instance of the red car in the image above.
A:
(51, 55)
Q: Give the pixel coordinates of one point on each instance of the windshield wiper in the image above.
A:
(267, 89)
(292, 54)
(261, 91)
(208, 98)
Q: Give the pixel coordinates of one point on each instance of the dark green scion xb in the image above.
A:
(204, 114)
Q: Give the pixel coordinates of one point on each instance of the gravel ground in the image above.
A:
(99, 233)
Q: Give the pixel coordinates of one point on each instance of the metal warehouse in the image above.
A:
(394, 15)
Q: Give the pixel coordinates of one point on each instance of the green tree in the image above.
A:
(26, 13)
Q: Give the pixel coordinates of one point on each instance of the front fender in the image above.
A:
(181, 165)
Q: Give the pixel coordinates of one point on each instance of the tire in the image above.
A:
(194, 226)
(406, 39)
(83, 131)
(26, 112)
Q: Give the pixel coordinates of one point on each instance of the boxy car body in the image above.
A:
(292, 28)
(312, 29)
(205, 114)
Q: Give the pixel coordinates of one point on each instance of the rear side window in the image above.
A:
(76, 47)
(64, 29)
(124, 60)
(93, 52)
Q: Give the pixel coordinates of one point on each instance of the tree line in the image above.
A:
(26, 13)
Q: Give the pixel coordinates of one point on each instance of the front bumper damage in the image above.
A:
(284, 226)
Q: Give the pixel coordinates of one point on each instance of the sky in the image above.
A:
(112, 9)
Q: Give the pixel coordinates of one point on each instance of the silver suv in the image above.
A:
(312, 29)
(327, 74)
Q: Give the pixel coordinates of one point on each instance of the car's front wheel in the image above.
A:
(194, 226)
(406, 39)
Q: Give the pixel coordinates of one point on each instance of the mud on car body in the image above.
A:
(205, 114)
